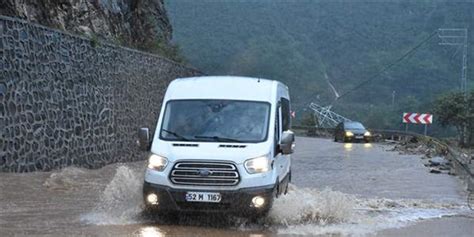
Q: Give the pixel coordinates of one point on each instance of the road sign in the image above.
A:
(417, 118)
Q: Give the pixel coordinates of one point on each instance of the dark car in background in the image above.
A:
(351, 131)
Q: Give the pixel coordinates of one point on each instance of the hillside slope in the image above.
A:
(141, 24)
(308, 43)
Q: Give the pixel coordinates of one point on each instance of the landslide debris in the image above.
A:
(433, 154)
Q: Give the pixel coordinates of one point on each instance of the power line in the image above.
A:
(388, 66)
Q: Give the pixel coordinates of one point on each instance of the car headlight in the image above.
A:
(258, 165)
(349, 134)
(157, 162)
(367, 134)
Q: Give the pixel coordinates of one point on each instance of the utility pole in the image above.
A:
(326, 118)
(393, 98)
(458, 37)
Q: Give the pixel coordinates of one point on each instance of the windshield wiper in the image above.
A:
(176, 135)
(219, 139)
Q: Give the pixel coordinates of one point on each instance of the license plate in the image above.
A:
(359, 137)
(203, 197)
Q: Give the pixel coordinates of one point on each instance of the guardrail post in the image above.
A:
(406, 130)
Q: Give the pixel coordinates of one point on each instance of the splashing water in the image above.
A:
(306, 211)
(121, 200)
(303, 211)
(310, 206)
(64, 180)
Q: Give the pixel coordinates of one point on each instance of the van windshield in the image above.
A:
(215, 120)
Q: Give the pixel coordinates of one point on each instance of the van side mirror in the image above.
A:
(287, 142)
(143, 139)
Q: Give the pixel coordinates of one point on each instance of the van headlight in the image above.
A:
(367, 134)
(157, 162)
(258, 165)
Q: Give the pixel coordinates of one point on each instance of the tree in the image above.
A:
(308, 120)
(453, 109)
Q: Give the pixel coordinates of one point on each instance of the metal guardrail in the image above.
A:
(460, 163)
(381, 133)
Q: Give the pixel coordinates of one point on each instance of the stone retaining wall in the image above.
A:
(68, 100)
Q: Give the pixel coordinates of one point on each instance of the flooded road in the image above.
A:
(338, 189)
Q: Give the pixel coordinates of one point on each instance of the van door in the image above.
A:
(278, 165)
(282, 123)
(285, 115)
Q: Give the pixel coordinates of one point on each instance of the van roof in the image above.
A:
(223, 87)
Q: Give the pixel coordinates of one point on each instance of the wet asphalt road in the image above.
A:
(338, 189)
(370, 170)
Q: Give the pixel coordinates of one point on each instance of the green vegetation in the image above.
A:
(308, 120)
(94, 40)
(302, 42)
(454, 109)
(160, 45)
(166, 49)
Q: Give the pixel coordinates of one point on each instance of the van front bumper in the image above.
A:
(233, 201)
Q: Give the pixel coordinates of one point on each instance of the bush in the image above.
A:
(453, 109)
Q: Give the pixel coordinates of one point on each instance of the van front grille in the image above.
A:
(205, 174)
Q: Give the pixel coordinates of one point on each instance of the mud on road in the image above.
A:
(338, 189)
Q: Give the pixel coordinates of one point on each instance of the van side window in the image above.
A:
(277, 125)
(277, 130)
(286, 114)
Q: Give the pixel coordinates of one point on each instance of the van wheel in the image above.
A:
(287, 184)
(276, 189)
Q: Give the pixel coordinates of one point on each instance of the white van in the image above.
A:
(221, 144)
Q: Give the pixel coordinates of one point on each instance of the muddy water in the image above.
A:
(338, 189)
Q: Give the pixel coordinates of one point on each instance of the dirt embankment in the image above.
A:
(439, 157)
